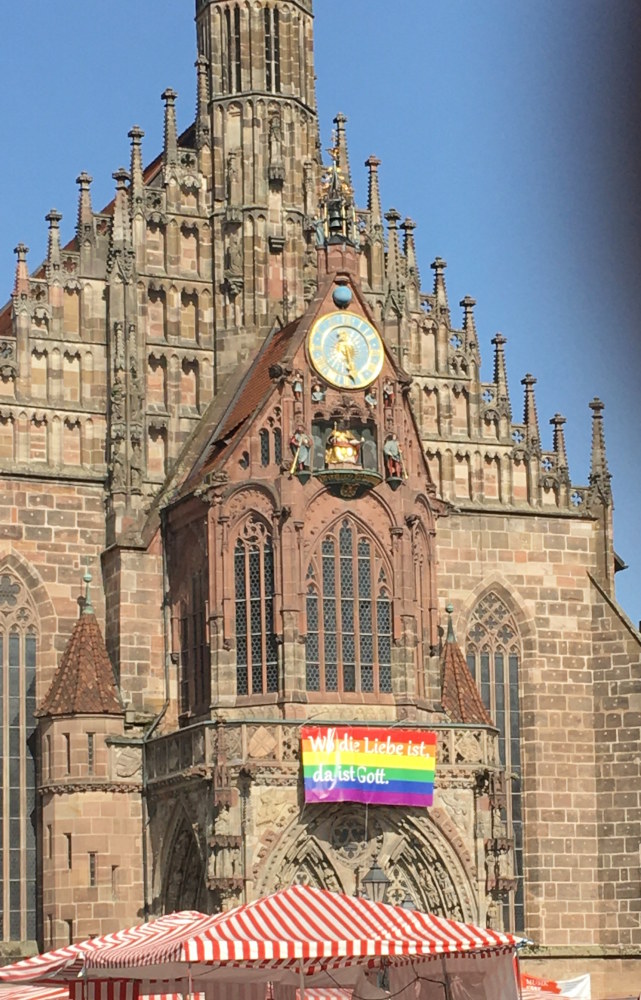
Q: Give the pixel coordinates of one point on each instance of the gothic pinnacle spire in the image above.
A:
(85, 211)
(440, 291)
(393, 250)
(120, 233)
(21, 284)
(500, 372)
(136, 189)
(53, 217)
(469, 327)
(170, 151)
(558, 441)
(203, 132)
(530, 417)
(409, 250)
(87, 608)
(342, 160)
(373, 193)
(599, 473)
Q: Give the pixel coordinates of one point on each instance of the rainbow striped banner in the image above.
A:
(393, 767)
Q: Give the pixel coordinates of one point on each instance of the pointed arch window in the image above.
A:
(349, 615)
(256, 649)
(272, 50)
(232, 38)
(494, 658)
(195, 684)
(18, 650)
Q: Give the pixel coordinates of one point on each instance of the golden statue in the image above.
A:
(345, 350)
(342, 448)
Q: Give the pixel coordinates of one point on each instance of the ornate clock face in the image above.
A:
(346, 350)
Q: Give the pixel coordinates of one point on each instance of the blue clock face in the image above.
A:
(345, 350)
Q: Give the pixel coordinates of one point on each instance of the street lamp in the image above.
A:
(408, 902)
(375, 883)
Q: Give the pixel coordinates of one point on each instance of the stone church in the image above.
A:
(251, 479)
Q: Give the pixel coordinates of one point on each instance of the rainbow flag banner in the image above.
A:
(393, 767)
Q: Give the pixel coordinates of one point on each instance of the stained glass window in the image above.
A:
(256, 647)
(493, 656)
(18, 646)
(349, 616)
(264, 447)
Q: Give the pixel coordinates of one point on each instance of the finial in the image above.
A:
(53, 217)
(21, 284)
(500, 372)
(599, 474)
(409, 249)
(341, 147)
(558, 443)
(87, 608)
(85, 211)
(136, 135)
(393, 249)
(530, 418)
(373, 194)
(440, 291)
(171, 136)
(203, 132)
(450, 627)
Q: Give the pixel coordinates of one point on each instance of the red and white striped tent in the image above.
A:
(298, 938)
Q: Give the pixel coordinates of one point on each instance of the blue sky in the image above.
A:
(509, 130)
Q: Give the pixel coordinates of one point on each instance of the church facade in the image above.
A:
(252, 479)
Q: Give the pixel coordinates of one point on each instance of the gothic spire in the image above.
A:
(469, 328)
(558, 442)
(85, 211)
(440, 291)
(393, 250)
(203, 133)
(530, 418)
(53, 242)
(500, 373)
(373, 192)
(120, 233)
(460, 696)
(342, 160)
(599, 473)
(170, 151)
(136, 188)
(21, 284)
(409, 250)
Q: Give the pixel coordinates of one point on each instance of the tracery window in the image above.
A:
(494, 657)
(256, 649)
(272, 50)
(18, 645)
(232, 33)
(194, 651)
(349, 615)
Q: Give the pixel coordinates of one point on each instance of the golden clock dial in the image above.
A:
(345, 350)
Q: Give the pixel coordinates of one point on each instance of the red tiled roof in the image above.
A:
(252, 392)
(460, 696)
(84, 683)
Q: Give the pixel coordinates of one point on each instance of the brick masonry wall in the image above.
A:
(539, 566)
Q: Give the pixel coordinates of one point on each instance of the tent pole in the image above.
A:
(301, 982)
(446, 981)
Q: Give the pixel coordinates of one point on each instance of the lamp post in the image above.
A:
(375, 883)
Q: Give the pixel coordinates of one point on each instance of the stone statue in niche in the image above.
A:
(233, 179)
(342, 448)
(318, 393)
(275, 141)
(119, 349)
(117, 401)
(235, 254)
(117, 465)
(394, 463)
(370, 398)
(297, 386)
(388, 392)
(301, 445)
